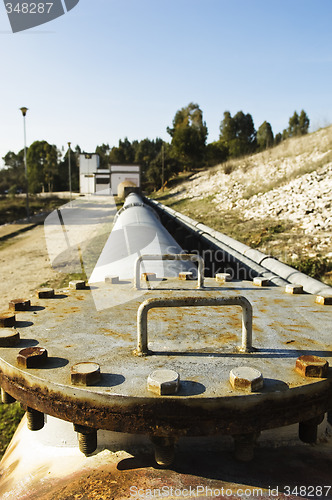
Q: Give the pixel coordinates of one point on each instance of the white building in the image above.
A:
(89, 164)
(121, 173)
(94, 179)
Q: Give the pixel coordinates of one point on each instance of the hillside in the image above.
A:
(279, 201)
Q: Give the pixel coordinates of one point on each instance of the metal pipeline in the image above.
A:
(254, 260)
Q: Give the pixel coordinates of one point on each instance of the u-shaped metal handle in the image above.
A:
(171, 256)
(238, 300)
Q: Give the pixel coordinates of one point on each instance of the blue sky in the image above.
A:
(115, 68)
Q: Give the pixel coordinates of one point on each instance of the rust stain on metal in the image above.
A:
(170, 416)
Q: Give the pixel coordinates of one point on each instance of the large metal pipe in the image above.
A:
(137, 231)
(260, 263)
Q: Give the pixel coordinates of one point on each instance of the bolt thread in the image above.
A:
(87, 442)
(35, 419)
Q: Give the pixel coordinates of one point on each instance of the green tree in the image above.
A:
(154, 173)
(189, 135)
(103, 152)
(304, 123)
(124, 153)
(238, 134)
(265, 137)
(285, 134)
(277, 139)
(13, 177)
(61, 180)
(146, 151)
(42, 161)
(216, 152)
(293, 125)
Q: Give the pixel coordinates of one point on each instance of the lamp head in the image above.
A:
(24, 111)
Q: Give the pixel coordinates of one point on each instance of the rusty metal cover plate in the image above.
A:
(201, 344)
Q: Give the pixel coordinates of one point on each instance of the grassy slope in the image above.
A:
(13, 208)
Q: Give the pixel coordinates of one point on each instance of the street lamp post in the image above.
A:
(162, 166)
(24, 112)
(69, 169)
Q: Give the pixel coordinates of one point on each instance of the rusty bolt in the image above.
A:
(9, 337)
(222, 277)
(45, 293)
(246, 379)
(86, 373)
(186, 276)
(19, 305)
(259, 281)
(312, 366)
(87, 439)
(324, 300)
(163, 382)
(35, 419)
(244, 446)
(148, 276)
(308, 429)
(293, 289)
(112, 279)
(164, 450)
(6, 398)
(7, 319)
(32, 357)
(77, 284)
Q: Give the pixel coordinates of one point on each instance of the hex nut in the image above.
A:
(19, 305)
(294, 289)
(77, 284)
(114, 280)
(245, 378)
(32, 357)
(186, 276)
(45, 293)
(259, 281)
(85, 373)
(324, 300)
(312, 366)
(148, 276)
(7, 320)
(163, 382)
(9, 337)
(222, 277)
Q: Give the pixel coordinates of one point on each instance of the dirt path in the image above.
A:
(24, 266)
